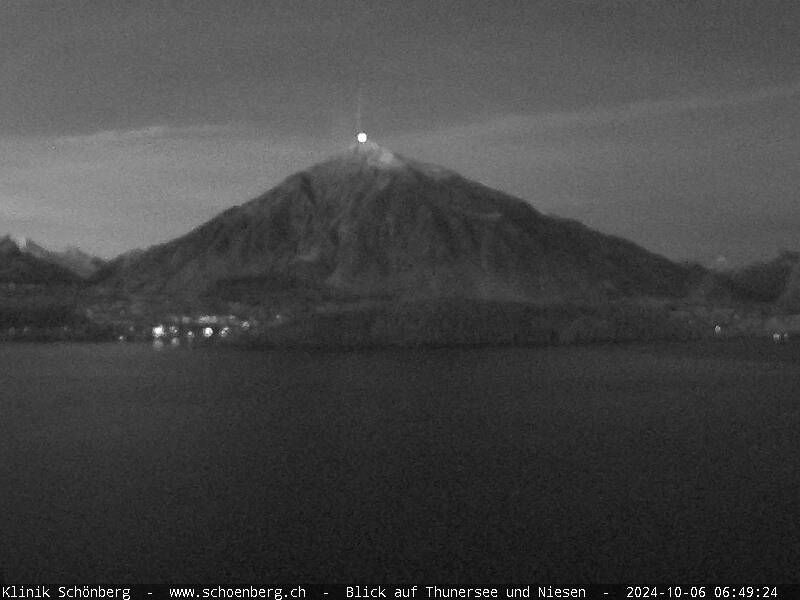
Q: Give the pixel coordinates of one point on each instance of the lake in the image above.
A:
(636, 463)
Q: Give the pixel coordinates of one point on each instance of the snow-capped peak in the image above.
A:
(375, 155)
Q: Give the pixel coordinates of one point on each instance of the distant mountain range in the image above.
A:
(776, 281)
(371, 223)
(74, 259)
(18, 267)
(25, 261)
(373, 247)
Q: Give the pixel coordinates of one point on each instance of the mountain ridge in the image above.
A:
(72, 258)
(17, 266)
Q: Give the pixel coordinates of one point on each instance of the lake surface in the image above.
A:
(638, 463)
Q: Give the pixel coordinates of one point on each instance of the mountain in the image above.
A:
(767, 282)
(789, 299)
(79, 262)
(371, 223)
(17, 266)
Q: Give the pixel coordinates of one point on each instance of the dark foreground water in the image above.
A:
(646, 463)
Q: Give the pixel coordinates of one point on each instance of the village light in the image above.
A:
(158, 331)
(208, 332)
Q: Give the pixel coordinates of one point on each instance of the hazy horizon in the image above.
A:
(676, 126)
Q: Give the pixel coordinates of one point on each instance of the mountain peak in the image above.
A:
(26, 244)
(365, 157)
(374, 155)
(8, 245)
(72, 259)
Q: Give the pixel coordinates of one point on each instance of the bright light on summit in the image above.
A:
(361, 137)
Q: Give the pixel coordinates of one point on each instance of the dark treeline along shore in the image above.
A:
(371, 248)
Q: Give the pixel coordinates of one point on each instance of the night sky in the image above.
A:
(673, 123)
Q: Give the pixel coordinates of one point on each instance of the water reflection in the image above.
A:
(175, 342)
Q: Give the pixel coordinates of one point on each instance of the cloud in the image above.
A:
(151, 132)
(507, 126)
(516, 124)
